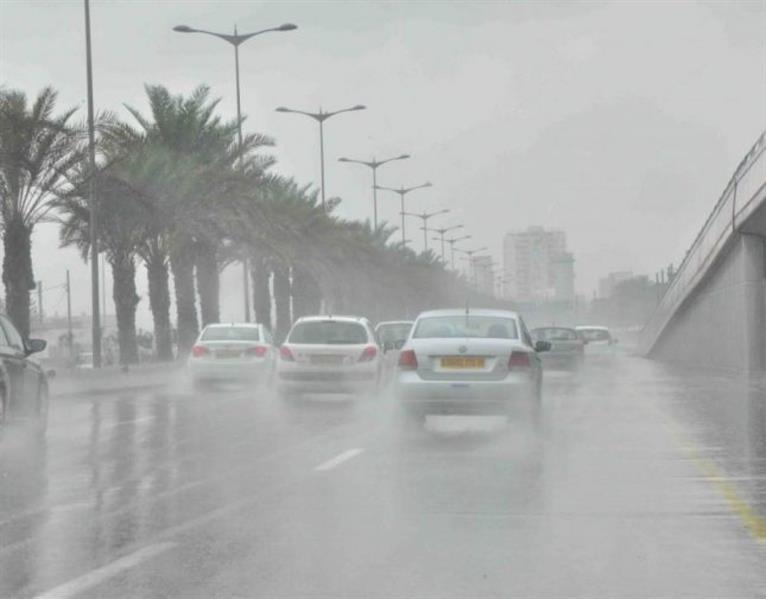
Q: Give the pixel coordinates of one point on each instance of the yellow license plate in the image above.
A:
(457, 362)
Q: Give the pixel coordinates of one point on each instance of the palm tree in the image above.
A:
(37, 149)
(200, 141)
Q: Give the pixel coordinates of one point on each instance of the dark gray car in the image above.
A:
(23, 382)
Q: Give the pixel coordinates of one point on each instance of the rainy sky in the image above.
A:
(617, 122)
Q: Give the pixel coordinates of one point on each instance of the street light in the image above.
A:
(95, 314)
(424, 216)
(403, 191)
(452, 248)
(469, 254)
(374, 164)
(320, 117)
(441, 233)
(237, 40)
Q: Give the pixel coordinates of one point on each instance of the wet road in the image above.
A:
(643, 481)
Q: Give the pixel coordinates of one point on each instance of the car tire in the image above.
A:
(3, 406)
(411, 420)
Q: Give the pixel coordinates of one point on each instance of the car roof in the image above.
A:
(325, 317)
(392, 322)
(471, 312)
(582, 327)
(553, 327)
(223, 325)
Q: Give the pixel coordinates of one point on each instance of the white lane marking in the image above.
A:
(94, 577)
(338, 460)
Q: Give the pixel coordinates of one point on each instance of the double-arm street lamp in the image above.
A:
(320, 117)
(452, 241)
(374, 164)
(469, 254)
(236, 40)
(425, 216)
(441, 233)
(403, 191)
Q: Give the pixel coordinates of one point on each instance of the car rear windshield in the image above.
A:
(554, 335)
(330, 332)
(484, 327)
(391, 333)
(231, 334)
(595, 334)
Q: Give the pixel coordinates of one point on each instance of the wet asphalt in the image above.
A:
(641, 480)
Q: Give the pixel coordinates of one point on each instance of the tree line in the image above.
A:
(175, 195)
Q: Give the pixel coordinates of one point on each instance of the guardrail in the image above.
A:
(744, 193)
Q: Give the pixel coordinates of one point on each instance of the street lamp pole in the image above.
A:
(373, 165)
(237, 40)
(95, 312)
(424, 216)
(403, 191)
(469, 254)
(320, 117)
(441, 233)
(452, 247)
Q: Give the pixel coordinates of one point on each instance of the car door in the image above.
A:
(15, 360)
(537, 363)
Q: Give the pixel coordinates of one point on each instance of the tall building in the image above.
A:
(483, 275)
(537, 266)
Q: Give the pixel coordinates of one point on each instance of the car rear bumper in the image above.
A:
(251, 370)
(313, 381)
(417, 394)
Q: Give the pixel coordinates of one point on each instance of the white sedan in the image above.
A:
(237, 352)
(329, 354)
(477, 361)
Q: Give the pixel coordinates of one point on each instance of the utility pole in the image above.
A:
(68, 315)
(40, 301)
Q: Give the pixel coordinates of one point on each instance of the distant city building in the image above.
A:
(483, 275)
(607, 284)
(537, 266)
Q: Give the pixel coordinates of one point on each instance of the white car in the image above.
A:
(329, 354)
(236, 352)
(469, 361)
(598, 340)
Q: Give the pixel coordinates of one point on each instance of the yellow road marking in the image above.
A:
(751, 520)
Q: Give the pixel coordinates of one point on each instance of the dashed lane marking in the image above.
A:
(95, 577)
(338, 460)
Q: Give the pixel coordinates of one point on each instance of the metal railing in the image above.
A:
(744, 193)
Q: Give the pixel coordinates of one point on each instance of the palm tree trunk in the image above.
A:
(159, 302)
(182, 264)
(125, 301)
(307, 297)
(208, 283)
(18, 277)
(259, 274)
(281, 300)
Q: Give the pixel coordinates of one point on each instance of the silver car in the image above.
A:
(469, 361)
(236, 352)
(329, 354)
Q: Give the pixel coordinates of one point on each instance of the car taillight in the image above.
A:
(286, 354)
(368, 354)
(408, 360)
(518, 359)
(258, 351)
(199, 350)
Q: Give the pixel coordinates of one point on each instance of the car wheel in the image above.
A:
(411, 419)
(3, 407)
(41, 417)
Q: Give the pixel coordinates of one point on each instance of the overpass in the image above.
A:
(713, 314)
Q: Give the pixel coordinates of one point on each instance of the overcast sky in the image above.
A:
(619, 123)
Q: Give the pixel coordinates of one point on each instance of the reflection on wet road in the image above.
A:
(642, 481)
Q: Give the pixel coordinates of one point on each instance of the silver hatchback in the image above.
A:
(469, 361)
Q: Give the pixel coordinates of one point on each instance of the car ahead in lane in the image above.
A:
(598, 339)
(329, 354)
(23, 382)
(469, 361)
(236, 352)
(567, 346)
(391, 335)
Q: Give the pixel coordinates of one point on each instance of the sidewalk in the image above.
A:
(81, 381)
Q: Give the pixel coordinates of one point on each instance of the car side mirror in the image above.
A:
(542, 346)
(35, 345)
